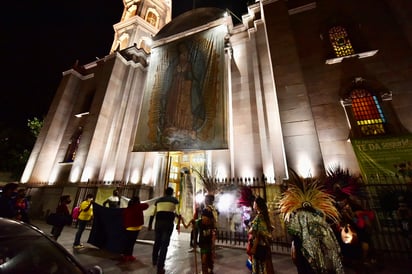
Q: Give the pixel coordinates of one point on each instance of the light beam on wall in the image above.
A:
(53, 176)
(75, 174)
(109, 176)
(247, 172)
(87, 175)
(135, 177)
(147, 176)
(269, 173)
(305, 166)
(221, 171)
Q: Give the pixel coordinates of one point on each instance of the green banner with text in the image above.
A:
(386, 156)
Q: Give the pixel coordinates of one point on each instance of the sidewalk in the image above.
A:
(180, 261)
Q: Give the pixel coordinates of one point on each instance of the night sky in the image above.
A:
(41, 39)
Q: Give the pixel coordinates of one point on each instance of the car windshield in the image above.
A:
(24, 250)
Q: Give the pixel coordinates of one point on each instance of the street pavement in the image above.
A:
(179, 261)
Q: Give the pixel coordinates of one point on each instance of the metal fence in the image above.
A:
(382, 195)
(391, 234)
(239, 240)
(389, 237)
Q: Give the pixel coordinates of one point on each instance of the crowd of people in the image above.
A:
(309, 214)
(14, 204)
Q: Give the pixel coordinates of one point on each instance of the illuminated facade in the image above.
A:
(292, 96)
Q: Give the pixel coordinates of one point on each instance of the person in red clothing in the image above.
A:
(64, 211)
(133, 221)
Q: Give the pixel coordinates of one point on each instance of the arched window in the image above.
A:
(340, 41)
(368, 109)
(145, 46)
(131, 11)
(124, 41)
(151, 18)
(367, 112)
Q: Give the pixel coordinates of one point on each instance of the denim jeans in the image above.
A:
(162, 240)
(82, 226)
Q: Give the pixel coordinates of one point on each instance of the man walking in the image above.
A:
(165, 213)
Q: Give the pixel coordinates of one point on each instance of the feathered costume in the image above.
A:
(356, 221)
(307, 210)
(347, 192)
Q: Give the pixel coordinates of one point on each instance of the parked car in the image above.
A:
(26, 249)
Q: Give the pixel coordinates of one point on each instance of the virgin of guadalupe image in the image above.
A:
(182, 104)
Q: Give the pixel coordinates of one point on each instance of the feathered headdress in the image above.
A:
(246, 197)
(307, 194)
(340, 183)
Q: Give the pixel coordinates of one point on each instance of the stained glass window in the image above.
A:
(367, 112)
(340, 41)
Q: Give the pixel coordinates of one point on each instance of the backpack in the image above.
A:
(76, 212)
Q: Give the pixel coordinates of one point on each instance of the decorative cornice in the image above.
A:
(360, 55)
(303, 8)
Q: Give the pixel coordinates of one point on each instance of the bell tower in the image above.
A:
(141, 19)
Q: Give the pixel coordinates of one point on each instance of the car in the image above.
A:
(26, 249)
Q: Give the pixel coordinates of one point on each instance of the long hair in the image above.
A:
(64, 199)
(261, 203)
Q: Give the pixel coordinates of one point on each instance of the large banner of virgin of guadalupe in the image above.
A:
(184, 104)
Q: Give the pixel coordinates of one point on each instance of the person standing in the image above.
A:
(206, 227)
(260, 233)
(133, 221)
(193, 232)
(165, 214)
(22, 206)
(86, 214)
(7, 201)
(114, 200)
(62, 210)
(308, 212)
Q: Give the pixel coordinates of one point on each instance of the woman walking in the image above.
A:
(64, 214)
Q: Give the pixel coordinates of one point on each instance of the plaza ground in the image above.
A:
(180, 261)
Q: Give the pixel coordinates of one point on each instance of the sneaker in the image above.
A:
(191, 250)
(78, 246)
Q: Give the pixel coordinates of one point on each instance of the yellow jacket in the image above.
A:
(86, 214)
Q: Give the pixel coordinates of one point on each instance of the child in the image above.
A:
(206, 227)
(193, 232)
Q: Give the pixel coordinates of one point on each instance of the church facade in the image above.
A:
(302, 85)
